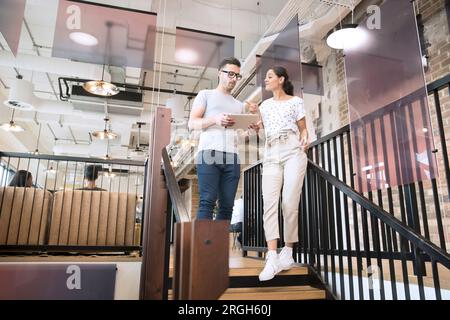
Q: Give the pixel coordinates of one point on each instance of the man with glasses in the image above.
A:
(218, 165)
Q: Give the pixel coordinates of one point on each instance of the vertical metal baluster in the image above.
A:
(318, 203)
(21, 207)
(4, 183)
(437, 103)
(62, 203)
(309, 230)
(49, 210)
(100, 209)
(446, 165)
(12, 205)
(374, 221)
(118, 206)
(107, 215)
(388, 233)
(71, 203)
(306, 204)
(404, 246)
(90, 209)
(324, 218)
(360, 261)
(331, 221)
(347, 222)
(245, 221)
(32, 202)
(126, 211)
(388, 179)
(437, 286)
(337, 199)
(81, 210)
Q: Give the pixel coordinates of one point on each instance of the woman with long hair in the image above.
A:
(284, 167)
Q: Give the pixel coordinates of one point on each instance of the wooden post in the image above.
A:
(155, 215)
(201, 265)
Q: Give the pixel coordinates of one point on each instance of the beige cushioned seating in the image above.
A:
(93, 218)
(23, 215)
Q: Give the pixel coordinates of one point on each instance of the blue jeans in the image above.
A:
(218, 178)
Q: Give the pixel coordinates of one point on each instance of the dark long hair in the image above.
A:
(22, 178)
(288, 87)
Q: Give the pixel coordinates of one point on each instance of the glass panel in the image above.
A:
(201, 48)
(284, 51)
(103, 34)
(312, 79)
(388, 106)
(11, 17)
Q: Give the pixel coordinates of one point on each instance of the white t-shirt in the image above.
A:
(217, 137)
(281, 115)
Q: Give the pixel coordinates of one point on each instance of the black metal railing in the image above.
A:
(347, 238)
(61, 213)
(417, 206)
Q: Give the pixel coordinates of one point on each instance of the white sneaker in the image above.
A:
(271, 268)
(285, 259)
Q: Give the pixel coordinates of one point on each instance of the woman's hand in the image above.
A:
(255, 126)
(252, 106)
(304, 142)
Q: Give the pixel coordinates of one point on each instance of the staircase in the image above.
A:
(299, 283)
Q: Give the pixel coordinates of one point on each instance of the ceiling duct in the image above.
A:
(21, 95)
(52, 65)
(125, 102)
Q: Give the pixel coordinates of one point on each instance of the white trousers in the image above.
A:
(284, 166)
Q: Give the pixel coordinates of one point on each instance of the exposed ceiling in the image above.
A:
(250, 22)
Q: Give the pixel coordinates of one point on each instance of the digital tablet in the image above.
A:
(242, 121)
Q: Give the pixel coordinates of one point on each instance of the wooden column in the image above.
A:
(201, 260)
(155, 215)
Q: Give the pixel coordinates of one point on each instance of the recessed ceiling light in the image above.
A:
(186, 56)
(85, 39)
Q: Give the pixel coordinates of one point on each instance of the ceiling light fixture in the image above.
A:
(50, 169)
(138, 151)
(83, 38)
(36, 151)
(187, 56)
(110, 173)
(106, 133)
(342, 37)
(107, 156)
(12, 126)
(101, 87)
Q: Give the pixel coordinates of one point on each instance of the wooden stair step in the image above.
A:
(274, 293)
(271, 293)
(255, 271)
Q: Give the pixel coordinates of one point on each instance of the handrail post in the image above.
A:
(155, 215)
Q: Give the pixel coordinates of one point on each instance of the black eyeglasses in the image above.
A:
(232, 74)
